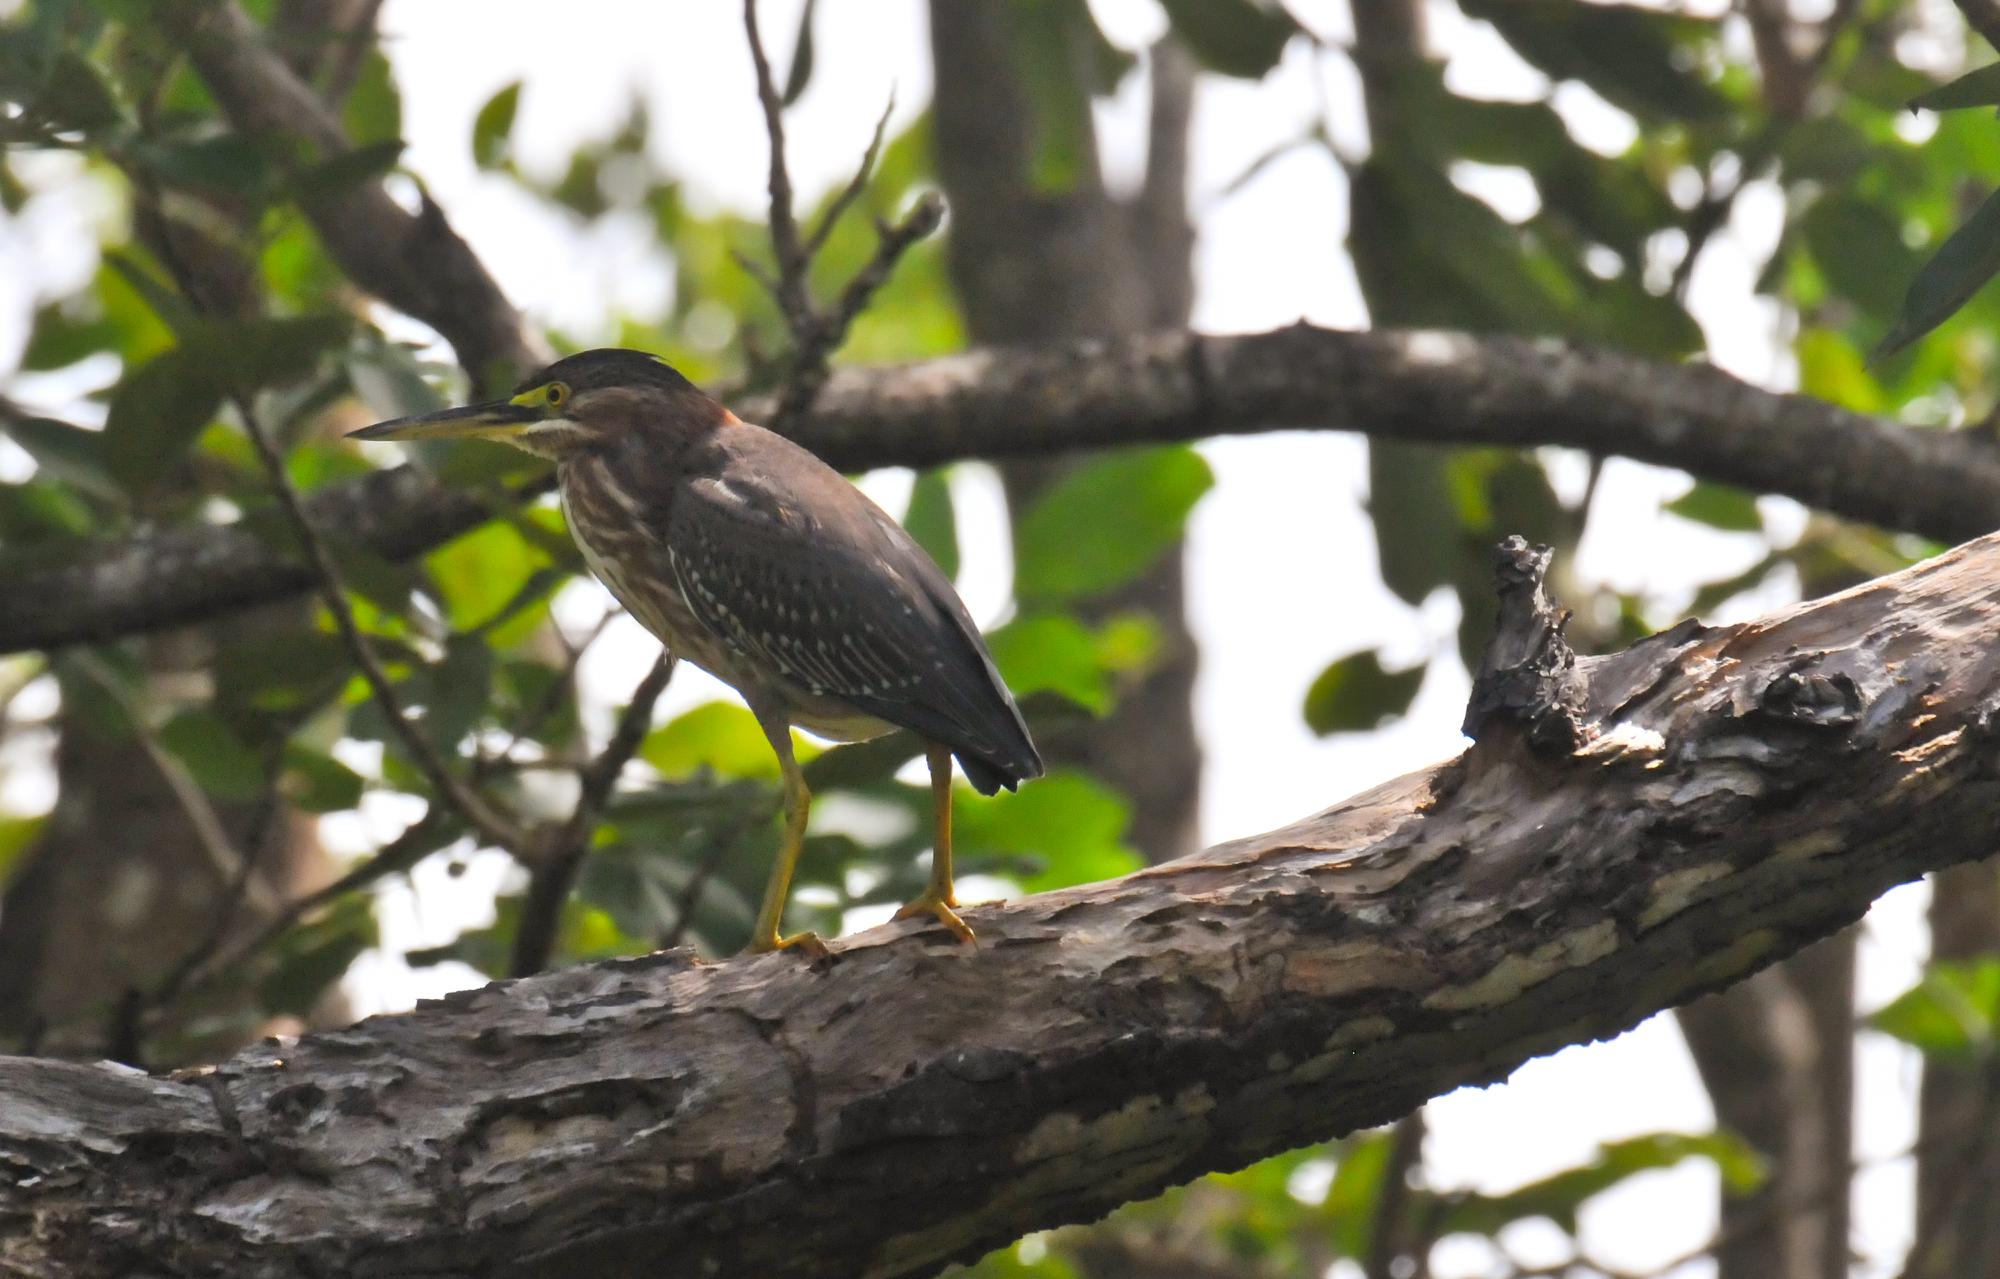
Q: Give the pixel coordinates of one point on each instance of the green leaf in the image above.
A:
(1559, 1197)
(1719, 506)
(718, 737)
(459, 690)
(479, 575)
(224, 765)
(1074, 825)
(493, 127)
(1357, 1187)
(1950, 1014)
(1946, 282)
(373, 111)
(1053, 652)
(1418, 542)
(159, 408)
(1858, 247)
(318, 783)
(1105, 521)
(288, 674)
(1357, 694)
(1236, 37)
(1637, 59)
(1980, 88)
(65, 452)
(337, 173)
(312, 957)
(932, 521)
(17, 836)
(802, 56)
(229, 163)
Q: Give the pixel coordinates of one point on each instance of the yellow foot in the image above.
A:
(810, 943)
(939, 907)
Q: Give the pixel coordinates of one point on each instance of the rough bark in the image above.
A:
(1776, 1055)
(1736, 793)
(1036, 267)
(1438, 388)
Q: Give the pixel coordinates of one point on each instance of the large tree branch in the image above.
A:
(1664, 821)
(1441, 388)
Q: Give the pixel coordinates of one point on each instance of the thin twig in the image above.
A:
(556, 867)
(552, 697)
(812, 348)
(257, 839)
(460, 797)
(817, 334)
(792, 258)
(333, 591)
(712, 858)
(855, 185)
(203, 820)
(400, 854)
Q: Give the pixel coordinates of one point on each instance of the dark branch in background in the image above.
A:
(1739, 792)
(1428, 387)
(1983, 16)
(554, 867)
(816, 334)
(414, 262)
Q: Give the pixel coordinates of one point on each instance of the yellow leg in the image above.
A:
(798, 806)
(938, 899)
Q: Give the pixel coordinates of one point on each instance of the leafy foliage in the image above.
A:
(1887, 240)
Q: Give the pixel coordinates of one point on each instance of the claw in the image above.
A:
(939, 907)
(810, 943)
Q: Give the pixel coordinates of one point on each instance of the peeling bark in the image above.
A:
(1737, 792)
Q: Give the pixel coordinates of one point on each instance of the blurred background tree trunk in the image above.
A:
(1958, 1126)
(1035, 265)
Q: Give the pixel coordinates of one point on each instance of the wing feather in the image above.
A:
(796, 569)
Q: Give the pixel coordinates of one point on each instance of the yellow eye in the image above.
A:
(556, 394)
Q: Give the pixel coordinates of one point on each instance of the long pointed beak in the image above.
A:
(495, 420)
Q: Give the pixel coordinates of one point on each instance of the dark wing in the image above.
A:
(783, 559)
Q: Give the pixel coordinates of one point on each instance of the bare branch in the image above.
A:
(815, 334)
(1429, 387)
(811, 350)
(855, 185)
(793, 261)
(400, 854)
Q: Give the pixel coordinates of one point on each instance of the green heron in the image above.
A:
(748, 556)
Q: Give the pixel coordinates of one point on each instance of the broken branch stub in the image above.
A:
(1527, 676)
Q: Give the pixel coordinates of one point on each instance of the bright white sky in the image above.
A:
(1267, 255)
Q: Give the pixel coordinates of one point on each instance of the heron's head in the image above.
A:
(590, 398)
